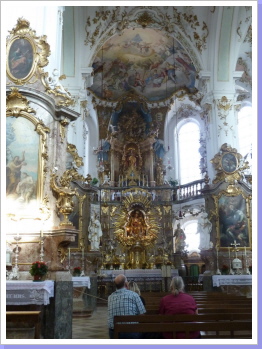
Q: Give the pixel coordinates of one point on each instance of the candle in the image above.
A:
(69, 253)
(41, 233)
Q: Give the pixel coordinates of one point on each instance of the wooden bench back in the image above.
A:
(182, 317)
(26, 319)
(208, 310)
(221, 329)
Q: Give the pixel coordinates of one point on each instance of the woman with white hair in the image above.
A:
(178, 302)
(132, 286)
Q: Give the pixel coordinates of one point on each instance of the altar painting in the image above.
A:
(22, 147)
(20, 58)
(234, 222)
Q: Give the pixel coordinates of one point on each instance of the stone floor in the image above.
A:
(92, 327)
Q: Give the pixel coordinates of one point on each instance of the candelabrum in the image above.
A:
(218, 272)
(231, 271)
(247, 272)
(42, 238)
(15, 271)
(83, 262)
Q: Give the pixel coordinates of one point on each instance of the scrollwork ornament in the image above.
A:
(224, 106)
(78, 160)
(65, 193)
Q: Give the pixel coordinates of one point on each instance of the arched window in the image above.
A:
(189, 156)
(192, 239)
(245, 131)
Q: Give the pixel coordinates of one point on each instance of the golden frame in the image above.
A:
(233, 220)
(17, 106)
(26, 53)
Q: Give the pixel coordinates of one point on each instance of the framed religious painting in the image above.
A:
(26, 53)
(26, 154)
(234, 223)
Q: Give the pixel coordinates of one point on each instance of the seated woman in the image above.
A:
(132, 286)
(178, 302)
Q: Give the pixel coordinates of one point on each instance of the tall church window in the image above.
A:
(192, 239)
(189, 156)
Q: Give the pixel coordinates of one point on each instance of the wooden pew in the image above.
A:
(156, 300)
(210, 325)
(203, 309)
(24, 319)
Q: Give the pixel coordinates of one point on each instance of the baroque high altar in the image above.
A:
(133, 201)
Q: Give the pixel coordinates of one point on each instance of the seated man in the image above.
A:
(123, 302)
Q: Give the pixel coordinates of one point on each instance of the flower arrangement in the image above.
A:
(77, 271)
(94, 181)
(173, 182)
(38, 268)
(224, 269)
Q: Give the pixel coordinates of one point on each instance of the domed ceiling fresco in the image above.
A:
(145, 61)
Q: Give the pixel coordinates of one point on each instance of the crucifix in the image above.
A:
(235, 244)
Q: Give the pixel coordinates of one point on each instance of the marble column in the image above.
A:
(57, 317)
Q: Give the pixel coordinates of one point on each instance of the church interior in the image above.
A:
(128, 151)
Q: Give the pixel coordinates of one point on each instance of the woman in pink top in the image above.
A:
(178, 302)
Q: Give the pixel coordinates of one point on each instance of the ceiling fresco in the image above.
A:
(145, 61)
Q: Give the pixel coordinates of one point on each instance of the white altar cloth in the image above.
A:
(81, 281)
(29, 292)
(222, 280)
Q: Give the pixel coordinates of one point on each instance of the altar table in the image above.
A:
(81, 281)
(236, 280)
(29, 292)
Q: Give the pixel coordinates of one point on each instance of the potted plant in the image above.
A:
(173, 182)
(38, 270)
(94, 181)
(77, 271)
(224, 269)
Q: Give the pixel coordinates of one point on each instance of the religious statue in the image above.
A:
(95, 232)
(204, 227)
(159, 174)
(180, 238)
(55, 85)
(136, 225)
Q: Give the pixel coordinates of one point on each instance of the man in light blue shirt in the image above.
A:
(123, 302)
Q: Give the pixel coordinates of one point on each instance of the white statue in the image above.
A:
(95, 232)
(204, 228)
(55, 84)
